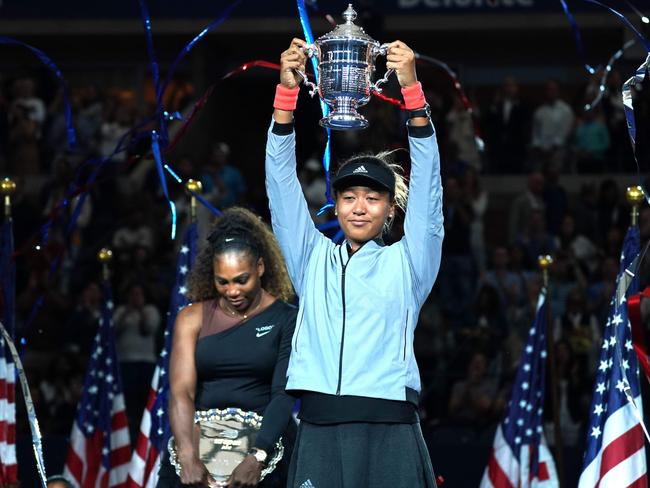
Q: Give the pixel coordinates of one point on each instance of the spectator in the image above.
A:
(223, 183)
(60, 392)
(478, 200)
(82, 325)
(579, 328)
(552, 125)
(26, 101)
(455, 280)
(578, 246)
(612, 213)
(573, 397)
(600, 292)
(136, 327)
(135, 234)
(620, 156)
(507, 130)
(536, 240)
(118, 120)
(25, 121)
(507, 284)
(314, 187)
(472, 399)
(461, 134)
(591, 142)
(556, 201)
(586, 212)
(523, 206)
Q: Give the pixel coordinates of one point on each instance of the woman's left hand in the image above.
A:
(247, 474)
(401, 58)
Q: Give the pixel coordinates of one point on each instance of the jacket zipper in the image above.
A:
(406, 326)
(298, 330)
(338, 387)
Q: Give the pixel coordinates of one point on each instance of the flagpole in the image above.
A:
(7, 188)
(635, 197)
(192, 187)
(545, 262)
(105, 255)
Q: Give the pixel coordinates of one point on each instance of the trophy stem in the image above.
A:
(344, 115)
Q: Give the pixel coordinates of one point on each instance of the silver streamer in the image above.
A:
(37, 443)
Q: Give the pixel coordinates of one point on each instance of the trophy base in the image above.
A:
(339, 121)
(344, 115)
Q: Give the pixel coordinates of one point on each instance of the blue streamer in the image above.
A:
(309, 37)
(155, 71)
(643, 40)
(146, 22)
(603, 80)
(155, 149)
(45, 59)
(160, 91)
(578, 37)
(634, 81)
(205, 203)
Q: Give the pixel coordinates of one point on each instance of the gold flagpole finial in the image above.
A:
(105, 255)
(192, 187)
(545, 261)
(635, 197)
(7, 188)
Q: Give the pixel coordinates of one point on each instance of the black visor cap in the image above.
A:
(367, 171)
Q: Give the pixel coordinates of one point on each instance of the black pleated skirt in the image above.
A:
(360, 455)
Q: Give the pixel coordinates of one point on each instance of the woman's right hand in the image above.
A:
(194, 472)
(291, 60)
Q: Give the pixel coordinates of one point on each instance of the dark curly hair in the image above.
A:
(240, 230)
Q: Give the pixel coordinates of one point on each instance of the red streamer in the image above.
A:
(638, 336)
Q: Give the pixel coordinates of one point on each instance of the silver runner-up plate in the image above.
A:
(224, 438)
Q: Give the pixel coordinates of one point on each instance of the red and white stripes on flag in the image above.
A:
(100, 449)
(145, 463)
(615, 448)
(504, 470)
(8, 466)
(155, 429)
(84, 465)
(620, 462)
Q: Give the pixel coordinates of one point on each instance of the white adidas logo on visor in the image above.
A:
(360, 169)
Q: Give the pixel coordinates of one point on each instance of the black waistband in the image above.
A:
(321, 408)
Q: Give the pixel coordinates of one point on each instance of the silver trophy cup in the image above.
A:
(346, 62)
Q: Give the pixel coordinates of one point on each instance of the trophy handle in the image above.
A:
(381, 51)
(313, 89)
(310, 50)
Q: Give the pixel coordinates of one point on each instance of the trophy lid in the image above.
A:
(348, 30)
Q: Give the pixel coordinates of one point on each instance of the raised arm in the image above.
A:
(182, 382)
(290, 217)
(423, 224)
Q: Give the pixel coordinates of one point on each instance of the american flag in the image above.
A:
(100, 450)
(154, 427)
(615, 454)
(520, 457)
(8, 467)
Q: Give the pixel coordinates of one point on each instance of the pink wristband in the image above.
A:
(286, 98)
(413, 97)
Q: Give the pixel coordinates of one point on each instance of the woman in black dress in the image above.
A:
(231, 348)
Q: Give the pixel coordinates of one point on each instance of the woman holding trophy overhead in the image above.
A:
(352, 360)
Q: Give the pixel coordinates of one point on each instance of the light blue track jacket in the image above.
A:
(357, 316)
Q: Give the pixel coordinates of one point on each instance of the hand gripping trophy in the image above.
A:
(346, 62)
